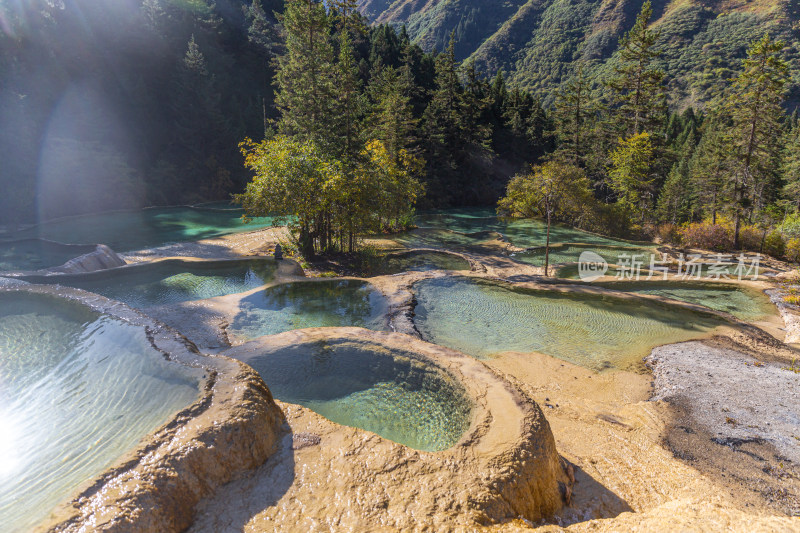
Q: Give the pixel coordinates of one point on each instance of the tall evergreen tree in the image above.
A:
(306, 74)
(631, 173)
(392, 119)
(574, 115)
(790, 168)
(675, 200)
(710, 168)
(442, 124)
(755, 107)
(638, 91)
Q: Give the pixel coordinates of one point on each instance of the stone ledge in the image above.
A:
(234, 426)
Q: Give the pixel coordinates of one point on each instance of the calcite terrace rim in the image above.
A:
(505, 423)
(80, 250)
(228, 390)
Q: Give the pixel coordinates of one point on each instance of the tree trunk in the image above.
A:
(547, 246)
(714, 209)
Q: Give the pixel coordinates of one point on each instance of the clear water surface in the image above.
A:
(387, 392)
(36, 254)
(77, 391)
(170, 281)
(742, 302)
(482, 318)
(309, 304)
(126, 231)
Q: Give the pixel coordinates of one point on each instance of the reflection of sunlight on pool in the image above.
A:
(10, 435)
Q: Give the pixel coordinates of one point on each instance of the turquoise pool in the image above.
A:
(125, 231)
(484, 318)
(463, 227)
(742, 302)
(37, 254)
(170, 281)
(421, 262)
(388, 392)
(77, 391)
(309, 304)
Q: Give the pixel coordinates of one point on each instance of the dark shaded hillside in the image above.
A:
(538, 42)
(109, 104)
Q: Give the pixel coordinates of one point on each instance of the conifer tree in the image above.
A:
(392, 120)
(638, 85)
(710, 168)
(306, 74)
(631, 173)
(755, 108)
(675, 200)
(442, 119)
(574, 115)
(790, 168)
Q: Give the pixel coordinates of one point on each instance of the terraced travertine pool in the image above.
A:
(484, 318)
(125, 231)
(742, 302)
(36, 254)
(77, 390)
(171, 281)
(464, 227)
(309, 304)
(389, 392)
(421, 261)
(570, 253)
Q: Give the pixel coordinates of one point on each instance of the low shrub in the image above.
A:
(668, 233)
(750, 238)
(774, 245)
(792, 250)
(708, 236)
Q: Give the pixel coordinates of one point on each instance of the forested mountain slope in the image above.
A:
(538, 42)
(108, 104)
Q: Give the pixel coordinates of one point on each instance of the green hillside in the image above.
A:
(538, 42)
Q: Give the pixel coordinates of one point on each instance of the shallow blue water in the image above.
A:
(474, 225)
(171, 281)
(77, 391)
(484, 318)
(36, 254)
(387, 392)
(309, 304)
(125, 231)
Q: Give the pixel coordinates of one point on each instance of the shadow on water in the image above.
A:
(171, 281)
(306, 304)
(132, 230)
(484, 318)
(384, 391)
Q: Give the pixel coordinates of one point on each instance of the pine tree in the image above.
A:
(710, 167)
(442, 126)
(755, 107)
(261, 31)
(306, 74)
(575, 111)
(638, 89)
(476, 108)
(675, 200)
(790, 168)
(196, 106)
(392, 119)
(442, 118)
(348, 103)
(631, 173)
